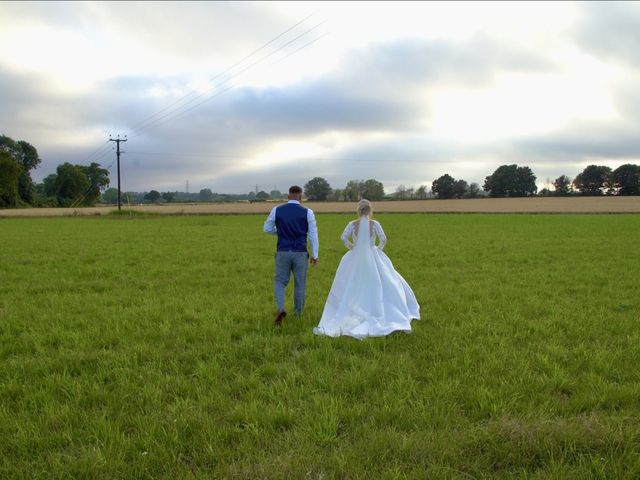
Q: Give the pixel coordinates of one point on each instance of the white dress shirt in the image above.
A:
(312, 234)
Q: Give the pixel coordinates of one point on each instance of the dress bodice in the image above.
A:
(375, 230)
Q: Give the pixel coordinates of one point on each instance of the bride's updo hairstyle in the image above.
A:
(364, 207)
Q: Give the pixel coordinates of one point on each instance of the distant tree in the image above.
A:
(10, 171)
(337, 195)
(473, 191)
(353, 190)
(49, 185)
(421, 192)
(30, 160)
(411, 193)
(27, 157)
(610, 185)
(502, 181)
(592, 180)
(460, 188)
(132, 197)
(25, 186)
(44, 193)
(317, 189)
(400, 192)
(444, 186)
(110, 195)
(372, 190)
(205, 195)
(525, 183)
(9, 145)
(275, 194)
(168, 197)
(562, 184)
(153, 196)
(511, 181)
(42, 200)
(626, 179)
(251, 195)
(98, 181)
(262, 195)
(71, 183)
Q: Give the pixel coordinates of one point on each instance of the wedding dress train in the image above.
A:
(368, 297)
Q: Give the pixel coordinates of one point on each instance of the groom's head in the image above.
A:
(295, 193)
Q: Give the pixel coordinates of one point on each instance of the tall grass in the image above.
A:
(143, 347)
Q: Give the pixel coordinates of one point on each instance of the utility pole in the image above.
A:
(118, 140)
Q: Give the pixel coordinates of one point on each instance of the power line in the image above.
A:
(178, 154)
(175, 113)
(310, 158)
(298, 49)
(97, 149)
(81, 198)
(99, 154)
(246, 57)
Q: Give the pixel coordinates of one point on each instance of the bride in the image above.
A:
(368, 297)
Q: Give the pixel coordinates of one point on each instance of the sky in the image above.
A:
(234, 95)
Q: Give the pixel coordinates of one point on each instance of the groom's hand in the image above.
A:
(313, 261)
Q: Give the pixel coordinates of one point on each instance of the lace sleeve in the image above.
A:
(382, 238)
(345, 235)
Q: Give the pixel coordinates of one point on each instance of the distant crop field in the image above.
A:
(143, 347)
(484, 205)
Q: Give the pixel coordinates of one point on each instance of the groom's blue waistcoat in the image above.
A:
(292, 225)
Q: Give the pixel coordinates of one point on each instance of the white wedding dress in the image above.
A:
(368, 297)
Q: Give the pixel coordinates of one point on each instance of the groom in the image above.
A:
(293, 223)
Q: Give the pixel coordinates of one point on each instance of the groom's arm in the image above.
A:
(270, 223)
(312, 234)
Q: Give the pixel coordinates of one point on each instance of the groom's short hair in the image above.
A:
(295, 189)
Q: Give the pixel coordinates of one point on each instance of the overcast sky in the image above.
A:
(231, 95)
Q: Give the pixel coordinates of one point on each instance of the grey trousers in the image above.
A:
(287, 262)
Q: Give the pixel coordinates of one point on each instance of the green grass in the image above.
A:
(143, 347)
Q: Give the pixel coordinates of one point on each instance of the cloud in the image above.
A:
(176, 31)
(587, 141)
(407, 63)
(375, 90)
(369, 116)
(610, 30)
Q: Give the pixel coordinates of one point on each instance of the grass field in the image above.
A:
(143, 347)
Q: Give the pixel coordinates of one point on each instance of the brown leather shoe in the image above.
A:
(278, 321)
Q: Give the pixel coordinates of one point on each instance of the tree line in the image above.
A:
(81, 185)
(70, 185)
(505, 182)
(204, 195)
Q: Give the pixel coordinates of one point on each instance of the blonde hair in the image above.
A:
(364, 207)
